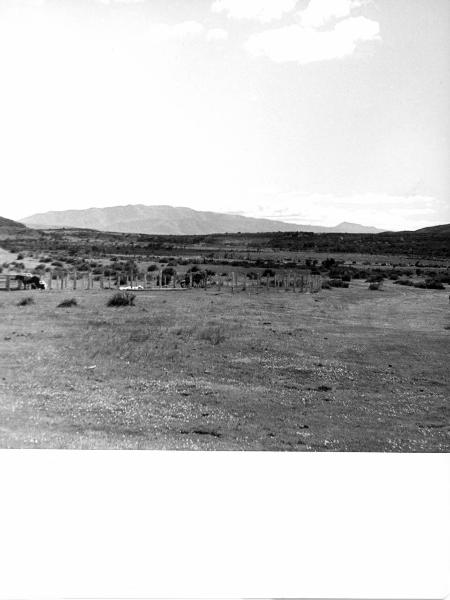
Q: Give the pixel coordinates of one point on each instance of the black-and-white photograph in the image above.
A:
(225, 225)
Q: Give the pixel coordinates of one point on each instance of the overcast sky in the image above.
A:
(313, 111)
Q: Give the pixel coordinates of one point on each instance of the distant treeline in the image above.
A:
(430, 244)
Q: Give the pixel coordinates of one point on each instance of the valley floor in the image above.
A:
(343, 370)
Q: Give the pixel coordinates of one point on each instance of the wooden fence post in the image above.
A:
(8, 282)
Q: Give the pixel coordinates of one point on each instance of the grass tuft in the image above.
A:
(122, 299)
(26, 301)
(213, 333)
(68, 303)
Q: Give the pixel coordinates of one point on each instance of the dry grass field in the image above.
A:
(343, 370)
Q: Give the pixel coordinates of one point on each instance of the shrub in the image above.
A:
(26, 301)
(152, 268)
(268, 273)
(20, 256)
(338, 283)
(68, 303)
(168, 272)
(434, 284)
(122, 299)
(404, 282)
(375, 285)
(212, 333)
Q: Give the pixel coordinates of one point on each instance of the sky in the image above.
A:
(306, 111)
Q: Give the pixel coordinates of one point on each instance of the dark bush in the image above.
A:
(152, 268)
(68, 303)
(268, 273)
(338, 283)
(26, 301)
(434, 284)
(375, 285)
(122, 299)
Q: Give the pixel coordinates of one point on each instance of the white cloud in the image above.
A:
(111, 2)
(261, 10)
(217, 35)
(304, 45)
(319, 12)
(161, 32)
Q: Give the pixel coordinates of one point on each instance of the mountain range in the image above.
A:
(170, 220)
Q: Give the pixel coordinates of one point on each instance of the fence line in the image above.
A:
(232, 282)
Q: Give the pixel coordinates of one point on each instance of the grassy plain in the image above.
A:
(344, 370)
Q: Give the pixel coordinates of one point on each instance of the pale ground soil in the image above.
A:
(347, 370)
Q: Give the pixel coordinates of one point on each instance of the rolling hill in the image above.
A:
(10, 226)
(170, 220)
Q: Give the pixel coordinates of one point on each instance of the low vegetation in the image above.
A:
(68, 303)
(199, 370)
(122, 299)
(26, 301)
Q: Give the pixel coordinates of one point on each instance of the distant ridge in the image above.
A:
(170, 220)
(441, 229)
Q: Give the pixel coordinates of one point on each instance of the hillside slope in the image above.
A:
(436, 229)
(9, 224)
